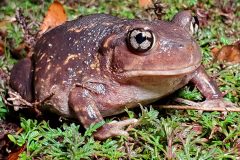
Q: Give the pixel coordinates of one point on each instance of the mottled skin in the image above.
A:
(88, 67)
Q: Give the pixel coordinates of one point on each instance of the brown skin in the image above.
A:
(92, 72)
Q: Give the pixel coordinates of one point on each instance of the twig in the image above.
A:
(38, 103)
(188, 102)
(5, 100)
(128, 150)
(18, 97)
(185, 107)
(24, 22)
(14, 96)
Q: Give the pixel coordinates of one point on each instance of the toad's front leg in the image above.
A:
(209, 89)
(81, 100)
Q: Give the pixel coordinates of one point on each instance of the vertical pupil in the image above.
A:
(140, 38)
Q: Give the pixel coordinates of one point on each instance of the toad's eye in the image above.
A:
(140, 40)
(194, 25)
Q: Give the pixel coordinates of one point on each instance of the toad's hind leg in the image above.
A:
(83, 104)
(21, 79)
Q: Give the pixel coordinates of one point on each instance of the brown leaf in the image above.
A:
(1, 48)
(237, 146)
(215, 129)
(14, 155)
(3, 35)
(6, 128)
(55, 16)
(5, 22)
(197, 128)
(203, 15)
(215, 51)
(145, 3)
(228, 53)
(20, 50)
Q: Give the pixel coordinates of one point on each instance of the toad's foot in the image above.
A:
(210, 103)
(217, 103)
(114, 129)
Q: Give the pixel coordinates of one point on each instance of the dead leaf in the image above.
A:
(1, 48)
(55, 16)
(215, 51)
(228, 53)
(203, 15)
(237, 146)
(6, 128)
(5, 22)
(14, 155)
(215, 129)
(197, 128)
(145, 3)
(20, 51)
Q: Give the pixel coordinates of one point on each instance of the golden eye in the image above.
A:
(140, 40)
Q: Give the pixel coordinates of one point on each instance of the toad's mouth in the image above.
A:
(183, 71)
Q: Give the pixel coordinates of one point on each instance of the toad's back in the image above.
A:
(72, 47)
(71, 53)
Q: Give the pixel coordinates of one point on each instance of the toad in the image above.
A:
(98, 65)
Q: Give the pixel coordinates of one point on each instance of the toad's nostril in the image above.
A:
(180, 45)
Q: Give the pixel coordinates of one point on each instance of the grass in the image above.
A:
(170, 134)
